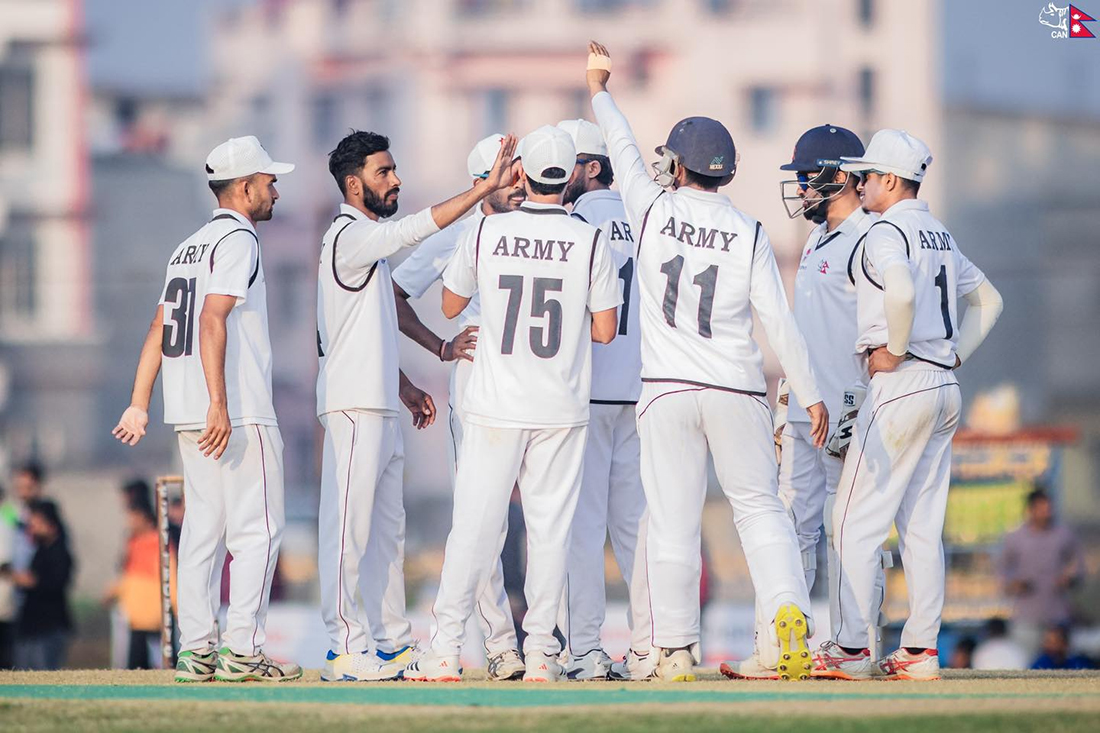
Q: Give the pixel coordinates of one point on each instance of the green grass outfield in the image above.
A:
(116, 700)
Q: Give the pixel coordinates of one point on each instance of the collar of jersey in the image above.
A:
(711, 197)
(906, 205)
(542, 207)
(236, 215)
(352, 211)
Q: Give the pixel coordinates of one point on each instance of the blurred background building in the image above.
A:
(109, 107)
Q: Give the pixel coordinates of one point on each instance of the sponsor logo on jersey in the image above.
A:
(823, 267)
(1066, 22)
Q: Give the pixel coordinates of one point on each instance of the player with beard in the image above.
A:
(359, 391)
(825, 310)
(411, 279)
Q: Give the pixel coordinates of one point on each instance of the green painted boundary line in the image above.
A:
(472, 697)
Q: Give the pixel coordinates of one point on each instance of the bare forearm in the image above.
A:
(148, 367)
(452, 209)
(410, 324)
(212, 351)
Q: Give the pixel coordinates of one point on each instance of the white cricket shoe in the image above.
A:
(748, 669)
(506, 665)
(258, 667)
(359, 667)
(833, 663)
(397, 662)
(675, 665)
(901, 665)
(634, 666)
(430, 668)
(595, 665)
(542, 667)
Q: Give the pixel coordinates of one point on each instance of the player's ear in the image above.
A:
(593, 168)
(351, 184)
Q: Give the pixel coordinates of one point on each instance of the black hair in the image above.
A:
(606, 176)
(136, 489)
(35, 470)
(996, 627)
(48, 510)
(910, 185)
(220, 187)
(1036, 495)
(351, 154)
(142, 506)
(547, 189)
(709, 183)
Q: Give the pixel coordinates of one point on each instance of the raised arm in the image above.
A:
(637, 188)
(131, 426)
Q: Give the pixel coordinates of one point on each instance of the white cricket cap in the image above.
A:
(242, 156)
(586, 137)
(483, 156)
(892, 151)
(545, 148)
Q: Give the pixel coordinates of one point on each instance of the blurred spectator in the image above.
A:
(137, 490)
(1041, 564)
(44, 625)
(999, 650)
(28, 480)
(9, 532)
(137, 591)
(962, 656)
(1056, 652)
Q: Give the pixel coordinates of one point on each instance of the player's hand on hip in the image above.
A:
(420, 404)
(131, 426)
(215, 438)
(462, 346)
(881, 360)
(599, 68)
(819, 423)
(502, 174)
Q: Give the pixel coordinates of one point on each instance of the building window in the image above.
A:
(867, 93)
(16, 108)
(18, 275)
(495, 115)
(324, 122)
(866, 11)
(763, 109)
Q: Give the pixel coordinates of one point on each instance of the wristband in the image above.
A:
(442, 349)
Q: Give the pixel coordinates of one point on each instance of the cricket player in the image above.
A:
(359, 391)
(548, 289)
(412, 278)
(825, 310)
(210, 333)
(910, 275)
(611, 498)
(702, 267)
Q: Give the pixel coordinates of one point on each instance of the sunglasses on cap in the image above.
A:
(861, 175)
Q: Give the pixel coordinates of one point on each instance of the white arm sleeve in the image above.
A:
(899, 299)
(985, 306)
(366, 241)
(638, 190)
(769, 299)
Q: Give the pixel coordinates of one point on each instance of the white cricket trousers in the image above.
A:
(897, 471)
(234, 503)
(546, 463)
(494, 612)
(611, 502)
(361, 533)
(677, 424)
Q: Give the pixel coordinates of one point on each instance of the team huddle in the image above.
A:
(604, 352)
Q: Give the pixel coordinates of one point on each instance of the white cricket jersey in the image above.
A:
(428, 261)
(356, 314)
(222, 258)
(617, 366)
(825, 309)
(702, 267)
(908, 234)
(541, 274)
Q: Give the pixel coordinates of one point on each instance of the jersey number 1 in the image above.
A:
(706, 281)
(945, 304)
(545, 342)
(176, 339)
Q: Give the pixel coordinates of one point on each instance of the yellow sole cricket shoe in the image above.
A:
(795, 662)
(677, 665)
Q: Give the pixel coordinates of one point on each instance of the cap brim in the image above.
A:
(854, 165)
(277, 169)
(796, 167)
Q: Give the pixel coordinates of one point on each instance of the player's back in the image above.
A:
(222, 258)
(616, 367)
(535, 269)
(941, 275)
(695, 262)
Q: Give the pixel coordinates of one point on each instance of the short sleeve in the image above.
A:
(885, 247)
(969, 276)
(231, 266)
(460, 276)
(603, 289)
